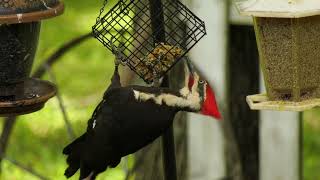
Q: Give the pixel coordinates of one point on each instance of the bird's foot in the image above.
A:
(117, 61)
(186, 76)
(196, 81)
(196, 76)
(156, 82)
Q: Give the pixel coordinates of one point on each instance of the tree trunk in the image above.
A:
(242, 124)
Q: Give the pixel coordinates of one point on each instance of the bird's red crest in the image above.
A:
(209, 106)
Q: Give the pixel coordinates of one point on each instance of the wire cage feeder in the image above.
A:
(130, 32)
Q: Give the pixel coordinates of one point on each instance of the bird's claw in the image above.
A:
(196, 76)
(117, 61)
(156, 80)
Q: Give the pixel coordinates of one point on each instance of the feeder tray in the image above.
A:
(23, 11)
(262, 102)
(127, 29)
(35, 94)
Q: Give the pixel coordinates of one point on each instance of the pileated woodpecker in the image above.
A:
(129, 118)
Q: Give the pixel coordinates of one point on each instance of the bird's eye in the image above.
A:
(201, 82)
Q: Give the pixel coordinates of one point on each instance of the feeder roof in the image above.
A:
(279, 8)
(22, 11)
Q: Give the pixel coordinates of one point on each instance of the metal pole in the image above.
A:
(168, 150)
(168, 147)
(169, 157)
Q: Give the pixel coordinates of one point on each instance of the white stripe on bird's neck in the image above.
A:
(186, 100)
(192, 100)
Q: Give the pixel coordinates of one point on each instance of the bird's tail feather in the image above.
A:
(86, 172)
(73, 151)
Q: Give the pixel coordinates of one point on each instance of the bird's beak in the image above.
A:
(209, 106)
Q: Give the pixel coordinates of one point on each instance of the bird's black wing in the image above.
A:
(124, 125)
(120, 125)
(90, 149)
(138, 123)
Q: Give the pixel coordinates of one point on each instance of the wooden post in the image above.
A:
(280, 146)
(243, 79)
(206, 139)
(255, 156)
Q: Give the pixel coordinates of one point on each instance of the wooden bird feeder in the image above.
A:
(19, 33)
(288, 38)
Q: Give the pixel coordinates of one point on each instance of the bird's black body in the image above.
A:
(120, 125)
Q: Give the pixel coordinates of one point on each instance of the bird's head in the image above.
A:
(208, 101)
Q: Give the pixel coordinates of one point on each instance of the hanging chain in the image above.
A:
(105, 2)
(115, 50)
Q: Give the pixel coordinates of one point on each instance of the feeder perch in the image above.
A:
(19, 33)
(288, 38)
(127, 30)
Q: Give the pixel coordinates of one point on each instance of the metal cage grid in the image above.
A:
(126, 30)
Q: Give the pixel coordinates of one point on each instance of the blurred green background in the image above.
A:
(82, 76)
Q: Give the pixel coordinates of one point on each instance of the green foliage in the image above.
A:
(82, 76)
(311, 145)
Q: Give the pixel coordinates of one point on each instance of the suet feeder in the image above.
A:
(149, 38)
(288, 38)
(19, 33)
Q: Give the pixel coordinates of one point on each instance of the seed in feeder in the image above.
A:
(159, 60)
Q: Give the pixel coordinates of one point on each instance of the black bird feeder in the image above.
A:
(149, 39)
(19, 33)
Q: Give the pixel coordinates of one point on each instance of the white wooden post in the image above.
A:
(206, 141)
(279, 131)
(279, 145)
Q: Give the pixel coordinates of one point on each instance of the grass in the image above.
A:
(311, 144)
